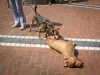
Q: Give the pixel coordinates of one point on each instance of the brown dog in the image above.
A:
(66, 49)
(38, 18)
(48, 26)
(43, 24)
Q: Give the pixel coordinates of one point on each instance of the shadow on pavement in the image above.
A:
(75, 1)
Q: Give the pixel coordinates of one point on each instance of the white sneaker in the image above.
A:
(22, 27)
(14, 26)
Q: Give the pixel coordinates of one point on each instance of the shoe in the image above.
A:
(14, 26)
(22, 27)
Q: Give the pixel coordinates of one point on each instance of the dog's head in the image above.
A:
(55, 32)
(73, 62)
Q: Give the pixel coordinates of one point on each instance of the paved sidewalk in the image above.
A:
(78, 22)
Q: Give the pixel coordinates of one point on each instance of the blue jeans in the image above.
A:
(18, 12)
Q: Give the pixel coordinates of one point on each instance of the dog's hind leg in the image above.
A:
(33, 20)
(30, 26)
(39, 31)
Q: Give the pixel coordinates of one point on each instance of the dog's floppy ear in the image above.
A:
(58, 28)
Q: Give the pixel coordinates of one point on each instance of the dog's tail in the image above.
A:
(35, 9)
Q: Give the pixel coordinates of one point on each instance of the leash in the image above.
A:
(31, 5)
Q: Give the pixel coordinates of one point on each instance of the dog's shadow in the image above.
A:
(61, 38)
(28, 25)
(56, 24)
(35, 25)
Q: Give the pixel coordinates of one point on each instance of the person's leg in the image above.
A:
(14, 9)
(50, 2)
(21, 12)
(70, 1)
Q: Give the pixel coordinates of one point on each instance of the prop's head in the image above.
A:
(50, 38)
(78, 62)
(73, 62)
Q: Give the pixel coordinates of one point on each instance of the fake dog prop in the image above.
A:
(66, 49)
